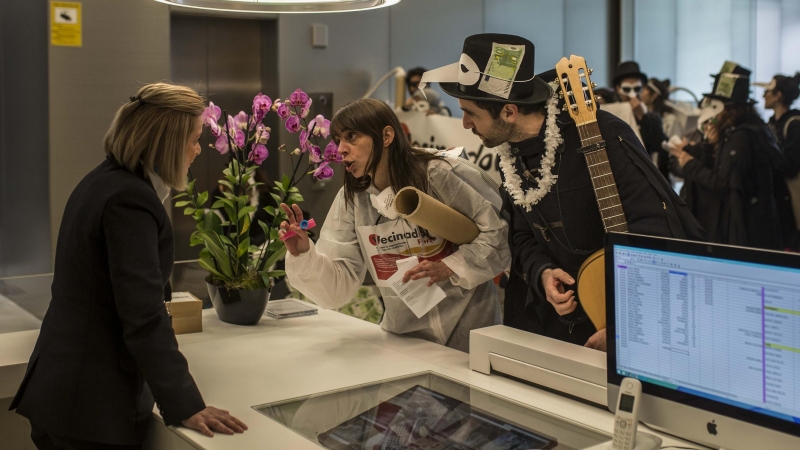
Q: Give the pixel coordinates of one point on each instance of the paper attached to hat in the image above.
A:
(499, 75)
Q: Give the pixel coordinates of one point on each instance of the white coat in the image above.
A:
(332, 271)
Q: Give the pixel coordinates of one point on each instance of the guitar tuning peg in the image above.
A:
(594, 85)
(564, 108)
(569, 93)
(560, 94)
(597, 98)
(574, 107)
(590, 71)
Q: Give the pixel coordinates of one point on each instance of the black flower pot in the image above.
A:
(239, 307)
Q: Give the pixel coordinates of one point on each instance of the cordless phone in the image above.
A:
(627, 417)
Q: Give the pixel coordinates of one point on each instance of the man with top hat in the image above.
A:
(549, 200)
(629, 85)
(779, 94)
(730, 177)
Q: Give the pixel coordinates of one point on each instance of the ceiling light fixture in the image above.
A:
(281, 6)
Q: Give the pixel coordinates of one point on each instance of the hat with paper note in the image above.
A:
(732, 84)
(493, 67)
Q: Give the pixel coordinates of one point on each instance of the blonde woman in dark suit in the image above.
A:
(106, 351)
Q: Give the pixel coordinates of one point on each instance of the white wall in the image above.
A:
(125, 45)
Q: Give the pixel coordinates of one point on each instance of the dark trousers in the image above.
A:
(47, 441)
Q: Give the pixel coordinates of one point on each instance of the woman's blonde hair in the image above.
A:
(153, 130)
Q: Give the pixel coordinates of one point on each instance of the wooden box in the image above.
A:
(187, 313)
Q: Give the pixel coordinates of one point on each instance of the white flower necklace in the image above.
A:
(513, 183)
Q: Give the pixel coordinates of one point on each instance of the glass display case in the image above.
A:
(425, 411)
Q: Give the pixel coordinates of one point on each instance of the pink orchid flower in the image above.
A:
(262, 135)
(332, 153)
(323, 172)
(304, 141)
(258, 154)
(320, 126)
(314, 154)
(261, 105)
(298, 98)
(283, 111)
(222, 144)
(240, 121)
(293, 124)
(306, 109)
(210, 117)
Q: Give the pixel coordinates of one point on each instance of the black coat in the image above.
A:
(732, 189)
(565, 227)
(106, 341)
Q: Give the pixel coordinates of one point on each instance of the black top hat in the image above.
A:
(732, 84)
(526, 89)
(629, 69)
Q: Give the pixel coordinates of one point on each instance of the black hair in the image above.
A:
(658, 103)
(408, 166)
(495, 108)
(789, 87)
(415, 72)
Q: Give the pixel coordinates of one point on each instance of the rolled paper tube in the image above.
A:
(304, 224)
(425, 211)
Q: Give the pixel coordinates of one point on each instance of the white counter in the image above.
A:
(237, 367)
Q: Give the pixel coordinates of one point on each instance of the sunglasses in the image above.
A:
(628, 89)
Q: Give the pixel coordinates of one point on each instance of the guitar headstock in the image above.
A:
(577, 89)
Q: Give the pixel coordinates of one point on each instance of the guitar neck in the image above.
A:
(605, 187)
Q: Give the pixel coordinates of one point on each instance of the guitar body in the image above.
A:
(592, 288)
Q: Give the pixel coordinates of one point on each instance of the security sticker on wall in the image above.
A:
(66, 24)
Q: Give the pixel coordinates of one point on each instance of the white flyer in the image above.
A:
(416, 294)
(384, 203)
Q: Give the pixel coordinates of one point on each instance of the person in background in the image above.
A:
(429, 103)
(729, 176)
(106, 347)
(779, 94)
(655, 96)
(361, 233)
(629, 85)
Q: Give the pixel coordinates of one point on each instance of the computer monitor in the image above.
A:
(713, 333)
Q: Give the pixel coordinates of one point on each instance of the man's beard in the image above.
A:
(499, 133)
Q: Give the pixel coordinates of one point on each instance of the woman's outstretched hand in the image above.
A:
(297, 244)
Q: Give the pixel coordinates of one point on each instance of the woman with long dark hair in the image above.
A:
(730, 176)
(361, 233)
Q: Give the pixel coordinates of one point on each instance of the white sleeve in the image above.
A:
(486, 256)
(330, 272)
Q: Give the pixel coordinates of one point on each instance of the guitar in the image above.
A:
(579, 100)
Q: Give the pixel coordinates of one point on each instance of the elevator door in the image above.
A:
(228, 61)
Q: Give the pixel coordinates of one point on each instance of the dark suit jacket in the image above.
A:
(106, 340)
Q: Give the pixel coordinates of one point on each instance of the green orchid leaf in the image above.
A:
(209, 266)
(202, 198)
(276, 273)
(275, 256)
(180, 195)
(246, 210)
(188, 211)
(182, 204)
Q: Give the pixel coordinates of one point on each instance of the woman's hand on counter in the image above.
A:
(297, 244)
(212, 419)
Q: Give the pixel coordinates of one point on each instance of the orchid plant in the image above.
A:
(233, 262)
